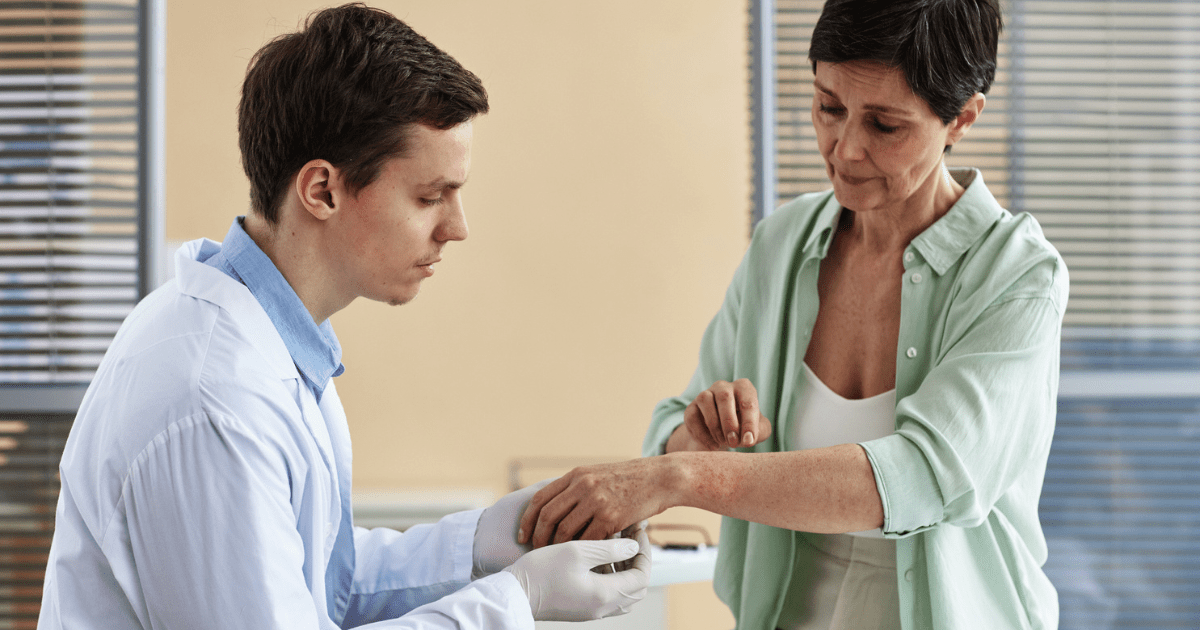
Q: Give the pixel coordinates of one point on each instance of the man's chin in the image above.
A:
(402, 299)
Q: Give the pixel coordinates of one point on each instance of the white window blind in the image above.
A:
(80, 191)
(69, 193)
(1093, 126)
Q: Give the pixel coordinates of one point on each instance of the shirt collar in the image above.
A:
(314, 349)
(944, 242)
(819, 240)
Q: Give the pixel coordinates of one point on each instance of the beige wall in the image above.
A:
(608, 208)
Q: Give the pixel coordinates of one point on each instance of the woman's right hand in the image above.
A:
(726, 415)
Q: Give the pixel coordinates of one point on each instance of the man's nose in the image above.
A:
(453, 226)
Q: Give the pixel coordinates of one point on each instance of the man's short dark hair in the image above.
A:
(945, 48)
(347, 89)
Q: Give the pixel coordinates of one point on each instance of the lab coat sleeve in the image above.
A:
(212, 532)
(216, 545)
(396, 572)
(717, 349)
(494, 602)
(982, 418)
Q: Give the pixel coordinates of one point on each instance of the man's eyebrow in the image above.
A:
(442, 183)
(883, 109)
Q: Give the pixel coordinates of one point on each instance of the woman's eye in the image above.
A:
(883, 128)
(826, 109)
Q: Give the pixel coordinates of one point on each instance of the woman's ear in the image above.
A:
(316, 184)
(967, 117)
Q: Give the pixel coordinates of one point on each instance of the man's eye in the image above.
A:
(431, 202)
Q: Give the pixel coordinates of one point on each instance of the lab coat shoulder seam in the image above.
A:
(156, 442)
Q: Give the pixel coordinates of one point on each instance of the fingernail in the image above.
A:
(520, 535)
(732, 437)
(748, 439)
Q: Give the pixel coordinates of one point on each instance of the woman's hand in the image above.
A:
(723, 416)
(595, 502)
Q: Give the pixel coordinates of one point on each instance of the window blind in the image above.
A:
(1093, 127)
(80, 196)
(69, 193)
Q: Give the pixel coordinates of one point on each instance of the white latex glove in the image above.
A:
(496, 545)
(562, 586)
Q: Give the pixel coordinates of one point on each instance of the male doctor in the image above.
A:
(206, 481)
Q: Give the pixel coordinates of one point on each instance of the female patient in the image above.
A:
(902, 330)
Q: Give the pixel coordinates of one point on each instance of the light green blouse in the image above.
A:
(976, 386)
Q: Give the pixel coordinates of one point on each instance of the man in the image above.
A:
(206, 481)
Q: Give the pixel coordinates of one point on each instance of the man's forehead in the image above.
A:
(436, 159)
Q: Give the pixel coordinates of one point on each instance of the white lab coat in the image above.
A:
(200, 489)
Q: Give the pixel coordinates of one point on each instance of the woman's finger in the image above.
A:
(712, 420)
(596, 531)
(764, 430)
(694, 422)
(550, 518)
(726, 403)
(532, 513)
(572, 524)
(748, 414)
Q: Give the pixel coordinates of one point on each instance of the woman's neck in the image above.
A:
(892, 229)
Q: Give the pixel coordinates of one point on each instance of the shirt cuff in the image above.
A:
(656, 439)
(901, 471)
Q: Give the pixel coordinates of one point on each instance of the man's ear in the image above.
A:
(967, 117)
(317, 185)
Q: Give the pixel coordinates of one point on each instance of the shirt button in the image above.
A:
(908, 575)
(912, 353)
(908, 256)
(916, 278)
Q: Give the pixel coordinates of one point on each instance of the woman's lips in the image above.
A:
(853, 181)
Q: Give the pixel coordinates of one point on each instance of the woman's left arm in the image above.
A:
(981, 419)
(980, 423)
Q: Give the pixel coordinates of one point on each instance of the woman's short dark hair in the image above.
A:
(945, 48)
(347, 89)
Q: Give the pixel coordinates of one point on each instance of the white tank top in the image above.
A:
(824, 418)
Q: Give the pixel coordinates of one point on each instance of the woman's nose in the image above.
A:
(850, 143)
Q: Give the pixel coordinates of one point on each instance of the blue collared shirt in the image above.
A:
(315, 349)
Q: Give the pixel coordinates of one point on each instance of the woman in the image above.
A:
(903, 331)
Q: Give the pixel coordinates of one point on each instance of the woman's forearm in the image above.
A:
(681, 440)
(824, 490)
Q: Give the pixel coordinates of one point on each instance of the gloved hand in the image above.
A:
(562, 586)
(496, 545)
